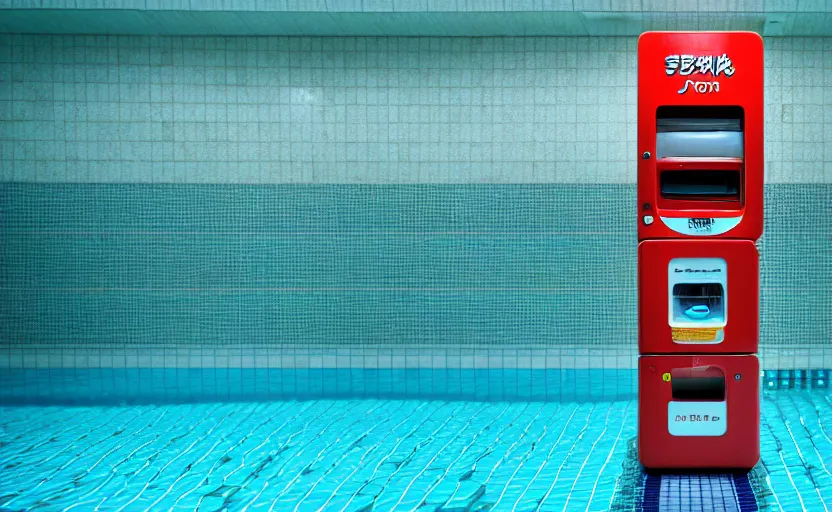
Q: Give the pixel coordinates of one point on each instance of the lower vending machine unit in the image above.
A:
(699, 411)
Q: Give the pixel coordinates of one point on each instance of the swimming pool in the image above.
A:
(370, 455)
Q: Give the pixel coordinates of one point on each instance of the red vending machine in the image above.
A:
(700, 213)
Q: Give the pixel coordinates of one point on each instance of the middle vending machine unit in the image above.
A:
(700, 213)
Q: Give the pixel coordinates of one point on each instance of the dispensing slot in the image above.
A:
(697, 299)
(695, 184)
(698, 302)
(703, 132)
(699, 388)
(699, 153)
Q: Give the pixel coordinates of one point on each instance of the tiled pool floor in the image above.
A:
(363, 454)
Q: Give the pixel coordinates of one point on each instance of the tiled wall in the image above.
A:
(458, 193)
(362, 110)
(387, 6)
(446, 18)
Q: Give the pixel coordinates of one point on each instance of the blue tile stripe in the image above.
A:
(745, 494)
(651, 499)
(652, 488)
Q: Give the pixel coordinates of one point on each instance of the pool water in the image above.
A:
(368, 455)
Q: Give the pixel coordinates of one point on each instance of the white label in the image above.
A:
(697, 418)
(701, 226)
(697, 270)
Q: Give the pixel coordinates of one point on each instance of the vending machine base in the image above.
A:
(699, 411)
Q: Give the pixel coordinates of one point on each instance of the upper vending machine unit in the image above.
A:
(700, 135)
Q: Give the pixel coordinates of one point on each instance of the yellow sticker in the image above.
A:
(702, 335)
(666, 377)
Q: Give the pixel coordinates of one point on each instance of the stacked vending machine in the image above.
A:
(700, 213)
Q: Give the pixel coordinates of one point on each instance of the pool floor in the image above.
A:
(366, 454)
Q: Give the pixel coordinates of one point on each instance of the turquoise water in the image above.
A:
(367, 454)
(338, 455)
